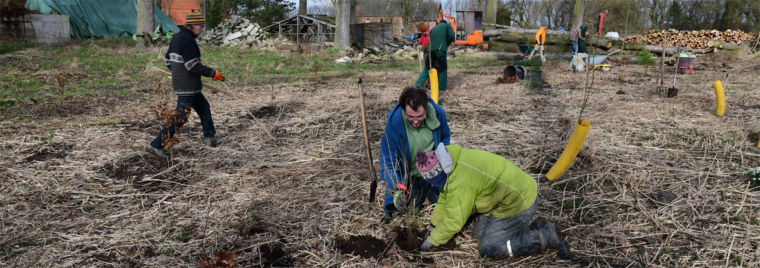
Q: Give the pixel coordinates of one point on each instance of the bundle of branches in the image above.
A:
(13, 8)
(704, 39)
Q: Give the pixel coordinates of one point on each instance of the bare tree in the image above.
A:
(323, 7)
(405, 9)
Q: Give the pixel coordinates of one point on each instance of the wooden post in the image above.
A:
(319, 32)
(298, 29)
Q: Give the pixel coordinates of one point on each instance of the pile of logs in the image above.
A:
(705, 39)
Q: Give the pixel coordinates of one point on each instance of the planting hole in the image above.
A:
(364, 245)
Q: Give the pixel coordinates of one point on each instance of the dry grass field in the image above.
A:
(658, 182)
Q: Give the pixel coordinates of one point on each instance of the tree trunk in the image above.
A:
(578, 13)
(342, 22)
(302, 7)
(145, 22)
(490, 14)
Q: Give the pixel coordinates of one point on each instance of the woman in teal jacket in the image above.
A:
(503, 196)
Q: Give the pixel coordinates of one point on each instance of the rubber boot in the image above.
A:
(158, 152)
(214, 141)
(538, 223)
(553, 238)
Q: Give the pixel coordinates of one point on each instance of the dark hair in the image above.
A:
(443, 21)
(413, 97)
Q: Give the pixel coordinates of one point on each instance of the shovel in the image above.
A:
(673, 91)
(373, 186)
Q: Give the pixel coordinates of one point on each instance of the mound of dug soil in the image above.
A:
(410, 239)
(364, 245)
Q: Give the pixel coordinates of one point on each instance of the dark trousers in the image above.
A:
(440, 64)
(199, 103)
(508, 237)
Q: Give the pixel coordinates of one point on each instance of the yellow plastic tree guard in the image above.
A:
(720, 96)
(571, 150)
(433, 75)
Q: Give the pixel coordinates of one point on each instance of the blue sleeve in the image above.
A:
(391, 167)
(445, 131)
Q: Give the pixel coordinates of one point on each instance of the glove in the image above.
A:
(218, 77)
(430, 229)
(427, 245)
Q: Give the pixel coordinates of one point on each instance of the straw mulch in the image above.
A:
(658, 183)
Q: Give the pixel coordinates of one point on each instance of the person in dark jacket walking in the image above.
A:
(415, 124)
(184, 60)
(441, 36)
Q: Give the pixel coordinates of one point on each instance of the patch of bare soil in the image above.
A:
(276, 109)
(365, 246)
(52, 151)
(144, 172)
(411, 239)
(274, 256)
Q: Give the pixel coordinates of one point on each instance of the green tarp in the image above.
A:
(105, 19)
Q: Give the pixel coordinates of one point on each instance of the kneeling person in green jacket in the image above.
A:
(503, 196)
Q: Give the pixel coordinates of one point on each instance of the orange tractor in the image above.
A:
(470, 31)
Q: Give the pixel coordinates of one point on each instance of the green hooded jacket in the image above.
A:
(482, 182)
(420, 138)
(441, 36)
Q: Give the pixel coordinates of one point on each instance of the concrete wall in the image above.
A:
(49, 28)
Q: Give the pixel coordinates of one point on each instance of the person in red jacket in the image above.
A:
(424, 36)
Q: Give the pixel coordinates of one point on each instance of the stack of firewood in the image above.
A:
(704, 39)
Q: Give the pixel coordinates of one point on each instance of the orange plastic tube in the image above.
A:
(571, 150)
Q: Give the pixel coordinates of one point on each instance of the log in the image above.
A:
(552, 39)
(499, 46)
(729, 46)
(509, 29)
(659, 49)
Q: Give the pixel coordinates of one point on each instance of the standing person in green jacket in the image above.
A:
(504, 197)
(582, 42)
(441, 36)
